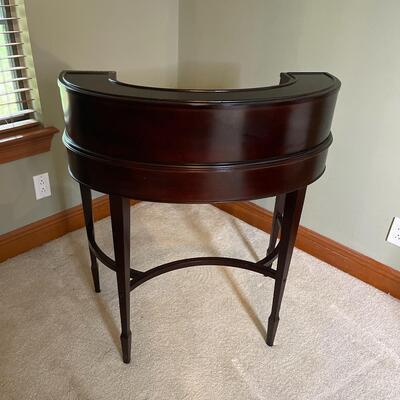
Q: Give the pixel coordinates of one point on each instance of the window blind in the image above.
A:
(16, 103)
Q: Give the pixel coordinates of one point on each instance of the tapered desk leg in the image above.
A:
(120, 220)
(278, 212)
(293, 206)
(87, 211)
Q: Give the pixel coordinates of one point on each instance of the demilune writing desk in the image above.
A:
(196, 146)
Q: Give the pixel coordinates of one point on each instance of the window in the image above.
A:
(16, 103)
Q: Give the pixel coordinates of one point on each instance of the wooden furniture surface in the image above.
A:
(196, 146)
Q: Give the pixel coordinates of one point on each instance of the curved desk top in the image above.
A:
(294, 86)
(177, 145)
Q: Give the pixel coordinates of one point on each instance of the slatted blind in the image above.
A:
(16, 103)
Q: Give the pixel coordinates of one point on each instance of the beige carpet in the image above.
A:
(197, 333)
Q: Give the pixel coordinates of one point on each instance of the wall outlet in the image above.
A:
(394, 232)
(42, 186)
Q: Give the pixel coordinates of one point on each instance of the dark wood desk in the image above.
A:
(196, 146)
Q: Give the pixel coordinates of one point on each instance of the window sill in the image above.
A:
(25, 142)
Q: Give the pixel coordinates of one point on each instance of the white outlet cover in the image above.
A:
(41, 184)
(394, 232)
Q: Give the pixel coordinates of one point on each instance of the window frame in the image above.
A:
(31, 137)
(23, 95)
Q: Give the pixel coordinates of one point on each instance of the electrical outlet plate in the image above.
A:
(42, 186)
(394, 232)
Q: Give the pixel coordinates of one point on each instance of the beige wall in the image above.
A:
(236, 43)
(138, 38)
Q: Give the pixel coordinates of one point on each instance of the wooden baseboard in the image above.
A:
(52, 227)
(356, 264)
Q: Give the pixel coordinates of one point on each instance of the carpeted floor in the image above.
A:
(197, 333)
